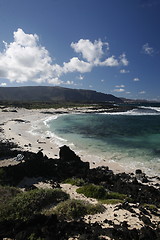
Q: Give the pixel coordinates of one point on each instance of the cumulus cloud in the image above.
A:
(136, 79)
(76, 65)
(110, 62)
(25, 59)
(147, 49)
(94, 53)
(115, 62)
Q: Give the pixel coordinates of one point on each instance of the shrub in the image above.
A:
(93, 209)
(75, 209)
(150, 206)
(93, 191)
(99, 192)
(25, 205)
(75, 181)
(7, 193)
(115, 195)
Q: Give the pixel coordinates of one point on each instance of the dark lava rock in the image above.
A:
(138, 171)
(38, 165)
(66, 154)
(146, 220)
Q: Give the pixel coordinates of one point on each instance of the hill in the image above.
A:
(54, 94)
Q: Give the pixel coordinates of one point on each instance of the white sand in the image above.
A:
(20, 133)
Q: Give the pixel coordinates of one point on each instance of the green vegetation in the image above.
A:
(75, 209)
(92, 191)
(115, 195)
(75, 181)
(150, 206)
(110, 201)
(24, 205)
(100, 193)
(7, 193)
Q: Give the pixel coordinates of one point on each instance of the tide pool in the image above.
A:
(131, 138)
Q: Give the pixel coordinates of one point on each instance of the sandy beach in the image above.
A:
(17, 125)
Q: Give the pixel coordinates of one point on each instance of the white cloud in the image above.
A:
(128, 92)
(123, 60)
(136, 79)
(3, 84)
(55, 81)
(120, 86)
(110, 62)
(119, 90)
(69, 83)
(114, 62)
(25, 59)
(76, 65)
(25, 40)
(147, 49)
(124, 71)
(142, 92)
(92, 52)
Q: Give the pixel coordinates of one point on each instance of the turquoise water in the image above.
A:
(131, 138)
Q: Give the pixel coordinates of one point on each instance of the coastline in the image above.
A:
(17, 127)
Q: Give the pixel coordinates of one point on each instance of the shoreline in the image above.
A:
(126, 216)
(18, 128)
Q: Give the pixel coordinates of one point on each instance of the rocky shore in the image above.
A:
(36, 178)
(136, 217)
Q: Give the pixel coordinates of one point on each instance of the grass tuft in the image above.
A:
(75, 209)
(75, 181)
(92, 191)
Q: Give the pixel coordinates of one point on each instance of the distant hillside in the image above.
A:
(54, 94)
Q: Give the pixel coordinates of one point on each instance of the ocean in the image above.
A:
(131, 138)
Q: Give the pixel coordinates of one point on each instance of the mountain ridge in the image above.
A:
(54, 94)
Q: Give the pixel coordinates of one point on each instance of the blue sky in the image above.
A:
(111, 46)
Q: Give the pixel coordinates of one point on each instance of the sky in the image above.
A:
(110, 46)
